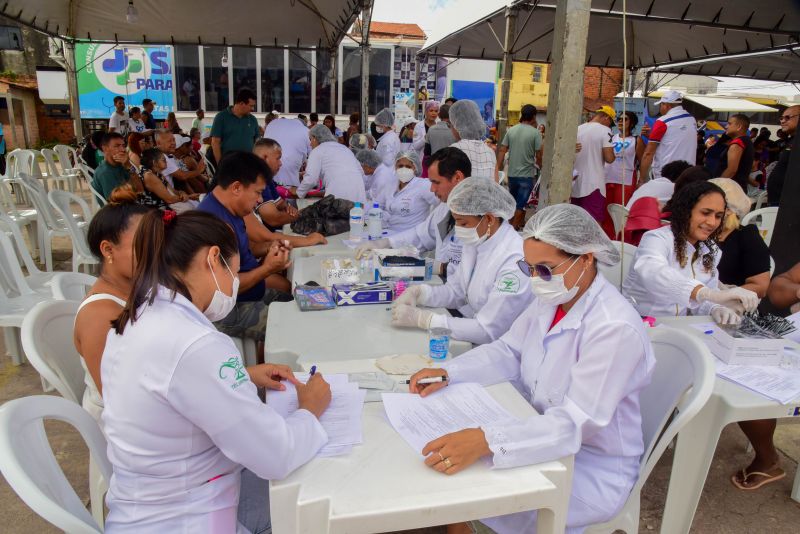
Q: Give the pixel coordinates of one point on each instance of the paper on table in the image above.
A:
(795, 320)
(420, 420)
(776, 383)
(342, 419)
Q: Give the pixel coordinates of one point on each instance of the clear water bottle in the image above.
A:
(374, 226)
(438, 343)
(356, 222)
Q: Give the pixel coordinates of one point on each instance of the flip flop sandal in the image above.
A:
(768, 479)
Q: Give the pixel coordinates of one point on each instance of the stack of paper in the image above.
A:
(458, 406)
(342, 419)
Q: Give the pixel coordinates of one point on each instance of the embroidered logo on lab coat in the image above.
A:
(508, 283)
(235, 364)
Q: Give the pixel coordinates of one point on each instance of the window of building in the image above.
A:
(272, 70)
(244, 69)
(323, 65)
(380, 93)
(216, 77)
(187, 77)
(537, 74)
(299, 81)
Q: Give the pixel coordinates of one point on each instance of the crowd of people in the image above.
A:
(190, 256)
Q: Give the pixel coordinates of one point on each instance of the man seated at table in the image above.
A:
(783, 292)
(115, 169)
(272, 208)
(241, 177)
(448, 167)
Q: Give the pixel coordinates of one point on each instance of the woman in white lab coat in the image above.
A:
(581, 355)
(182, 415)
(389, 141)
(370, 162)
(486, 287)
(411, 201)
(674, 270)
(422, 127)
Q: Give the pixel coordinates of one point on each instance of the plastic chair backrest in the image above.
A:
(30, 467)
(50, 162)
(11, 275)
(88, 173)
(619, 216)
(61, 201)
(616, 274)
(766, 221)
(71, 286)
(682, 382)
(12, 163)
(67, 156)
(7, 224)
(760, 199)
(7, 204)
(47, 341)
(38, 196)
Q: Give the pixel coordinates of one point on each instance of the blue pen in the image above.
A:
(313, 370)
(709, 332)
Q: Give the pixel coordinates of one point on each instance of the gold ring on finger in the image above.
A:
(447, 463)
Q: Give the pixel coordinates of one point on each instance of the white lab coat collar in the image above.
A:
(496, 239)
(165, 295)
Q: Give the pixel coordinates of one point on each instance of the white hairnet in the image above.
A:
(385, 117)
(466, 119)
(360, 141)
(571, 229)
(411, 156)
(737, 200)
(368, 157)
(479, 196)
(322, 133)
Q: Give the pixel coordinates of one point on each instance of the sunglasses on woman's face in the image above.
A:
(542, 271)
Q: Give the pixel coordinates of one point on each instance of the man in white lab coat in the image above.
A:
(581, 355)
(448, 167)
(487, 288)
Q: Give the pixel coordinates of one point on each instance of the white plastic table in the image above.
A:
(383, 485)
(334, 247)
(729, 403)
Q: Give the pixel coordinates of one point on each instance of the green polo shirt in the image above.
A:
(236, 133)
(107, 177)
(523, 141)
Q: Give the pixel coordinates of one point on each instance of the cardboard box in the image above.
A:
(728, 346)
(339, 271)
(404, 268)
(358, 294)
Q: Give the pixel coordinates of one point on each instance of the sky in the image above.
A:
(438, 18)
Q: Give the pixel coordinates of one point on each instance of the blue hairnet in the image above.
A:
(411, 156)
(466, 119)
(571, 229)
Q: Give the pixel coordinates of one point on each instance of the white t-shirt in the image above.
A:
(676, 135)
(589, 163)
(340, 172)
(292, 135)
(622, 168)
(119, 122)
(136, 126)
(660, 188)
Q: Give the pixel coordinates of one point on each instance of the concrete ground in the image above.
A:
(722, 510)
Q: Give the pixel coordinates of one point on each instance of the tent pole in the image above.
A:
(632, 81)
(646, 89)
(366, 19)
(333, 54)
(420, 106)
(564, 103)
(507, 71)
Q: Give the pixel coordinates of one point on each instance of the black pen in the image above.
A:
(429, 380)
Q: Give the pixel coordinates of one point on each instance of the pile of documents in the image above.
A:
(342, 419)
(420, 420)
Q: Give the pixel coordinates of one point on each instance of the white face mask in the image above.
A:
(469, 236)
(405, 175)
(221, 304)
(380, 129)
(554, 291)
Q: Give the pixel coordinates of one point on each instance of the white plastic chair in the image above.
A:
(764, 219)
(55, 174)
(98, 201)
(47, 342)
(72, 286)
(23, 218)
(62, 202)
(619, 216)
(48, 224)
(616, 274)
(30, 467)
(67, 157)
(682, 382)
(36, 280)
(760, 199)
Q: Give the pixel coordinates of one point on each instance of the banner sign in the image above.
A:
(131, 71)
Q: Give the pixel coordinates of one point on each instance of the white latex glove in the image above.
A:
(723, 315)
(728, 297)
(413, 295)
(405, 315)
(366, 249)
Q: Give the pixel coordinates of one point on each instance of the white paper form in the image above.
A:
(341, 420)
(458, 406)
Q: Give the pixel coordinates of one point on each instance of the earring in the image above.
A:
(110, 259)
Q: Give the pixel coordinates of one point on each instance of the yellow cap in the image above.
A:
(608, 110)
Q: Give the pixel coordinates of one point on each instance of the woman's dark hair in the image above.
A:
(633, 119)
(697, 173)
(150, 156)
(683, 202)
(164, 247)
(113, 219)
(332, 127)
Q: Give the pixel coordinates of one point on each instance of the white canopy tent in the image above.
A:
(782, 64)
(729, 104)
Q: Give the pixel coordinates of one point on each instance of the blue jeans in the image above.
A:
(254, 504)
(520, 188)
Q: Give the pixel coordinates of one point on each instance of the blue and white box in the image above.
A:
(358, 294)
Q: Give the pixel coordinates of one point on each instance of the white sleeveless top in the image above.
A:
(92, 400)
